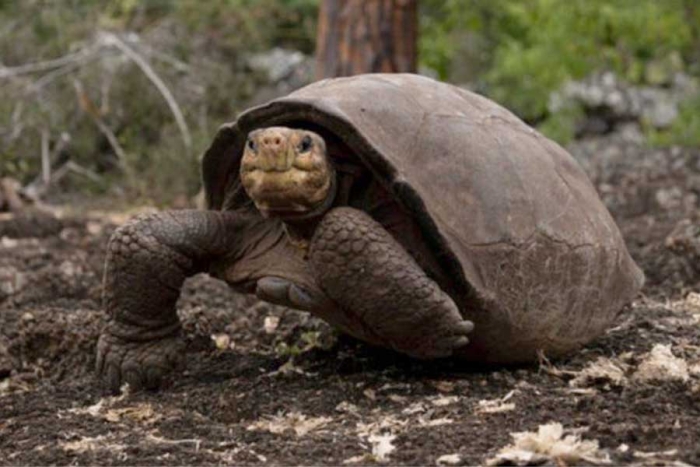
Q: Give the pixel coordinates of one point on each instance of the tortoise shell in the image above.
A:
(512, 217)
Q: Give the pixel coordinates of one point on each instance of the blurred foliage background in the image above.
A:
(131, 92)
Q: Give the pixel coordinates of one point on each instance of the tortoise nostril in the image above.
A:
(277, 141)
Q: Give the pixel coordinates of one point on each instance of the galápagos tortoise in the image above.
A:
(400, 209)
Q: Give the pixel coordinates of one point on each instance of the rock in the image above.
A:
(277, 63)
(605, 96)
(282, 70)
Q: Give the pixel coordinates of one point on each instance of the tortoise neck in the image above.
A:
(301, 229)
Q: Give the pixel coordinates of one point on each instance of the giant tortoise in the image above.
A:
(404, 211)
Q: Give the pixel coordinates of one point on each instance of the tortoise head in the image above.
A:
(287, 173)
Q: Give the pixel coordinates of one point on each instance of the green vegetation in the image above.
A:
(122, 127)
(526, 49)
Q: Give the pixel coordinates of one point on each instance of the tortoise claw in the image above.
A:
(284, 292)
(141, 365)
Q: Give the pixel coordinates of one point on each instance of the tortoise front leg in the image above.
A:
(360, 266)
(148, 260)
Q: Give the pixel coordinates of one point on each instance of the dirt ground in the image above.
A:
(265, 385)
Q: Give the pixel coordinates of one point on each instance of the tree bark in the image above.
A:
(366, 36)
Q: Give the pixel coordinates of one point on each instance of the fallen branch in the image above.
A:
(111, 39)
(10, 72)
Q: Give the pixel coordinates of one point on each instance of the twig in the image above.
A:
(17, 124)
(111, 39)
(77, 57)
(179, 65)
(104, 129)
(159, 440)
(64, 170)
(38, 187)
(85, 172)
(50, 77)
(45, 157)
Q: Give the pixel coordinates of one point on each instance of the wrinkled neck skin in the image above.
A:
(301, 229)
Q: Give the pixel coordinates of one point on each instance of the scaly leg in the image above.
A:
(361, 267)
(148, 260)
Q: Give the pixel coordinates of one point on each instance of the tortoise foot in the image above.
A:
(441, 339)
(141, 365)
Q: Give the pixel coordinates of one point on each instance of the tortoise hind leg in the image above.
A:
(370, 275)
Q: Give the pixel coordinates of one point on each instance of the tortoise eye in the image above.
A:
(306, 144)
(252, 145)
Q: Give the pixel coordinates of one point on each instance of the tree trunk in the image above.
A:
(366, 36)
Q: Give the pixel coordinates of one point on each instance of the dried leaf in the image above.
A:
(443, 386)
(444, 400)
(661, 365)
(88, 444)
(299, 423)
(388, 423)
(382, 446)
(449, 459)
(603, 370)
(496, 405)
(414, 408)
(222, 341)
(434, 422)
(347, 407)
(271, 323)
(549, 443)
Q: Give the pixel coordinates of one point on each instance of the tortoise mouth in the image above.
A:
(292, 193)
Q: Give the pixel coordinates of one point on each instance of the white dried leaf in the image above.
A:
(142, 412)
(414, 408)
(289, 368)
(442, 401)
(388, 423)
(655, 455)
(661, 365)
(88, 444)
(549, 443)
(603, 370)
(271, 323)
(694, 370)
(361, 459)
(93, 410)
(382, 446)
(7, 242)
(347, 407)
(580, 391)
(434, 422)
(449, 459)
(494, 406)
(222, 341)
(692, 302)
(299, 423)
